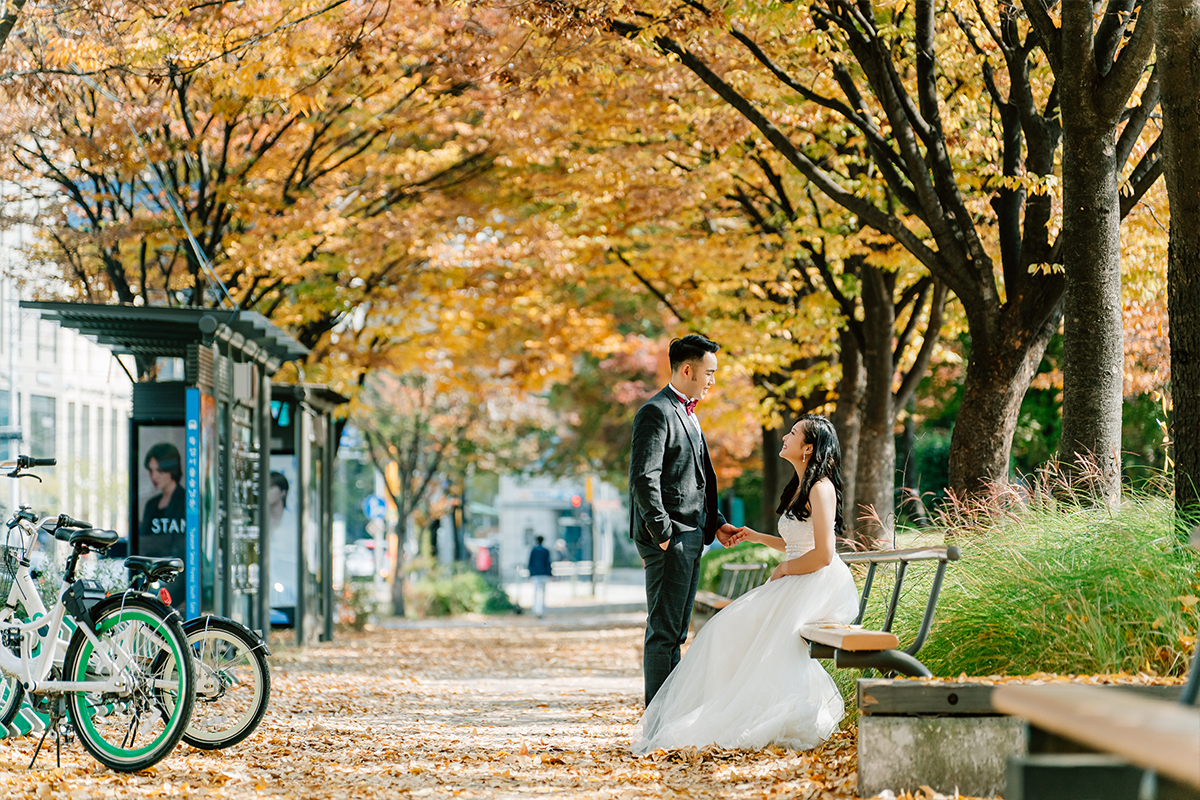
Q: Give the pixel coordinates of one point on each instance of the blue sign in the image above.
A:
(374, 507)
(192, 482)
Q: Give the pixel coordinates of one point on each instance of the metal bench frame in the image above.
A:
(891, 661)
(736, 580)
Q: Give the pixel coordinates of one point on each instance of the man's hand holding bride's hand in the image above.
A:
(725, 535)
(742, 534)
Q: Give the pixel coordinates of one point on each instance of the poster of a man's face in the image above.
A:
(161, 506)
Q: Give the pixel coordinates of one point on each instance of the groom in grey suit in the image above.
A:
(673, 502)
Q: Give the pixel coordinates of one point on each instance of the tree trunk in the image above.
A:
(1177, 32)
(398, 564)
(847, 421)
(1093, 337)
(875, 488)
(997, 377)
(773, 480)
(913, 504)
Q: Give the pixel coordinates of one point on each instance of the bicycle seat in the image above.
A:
(95, 538)
(154, 569)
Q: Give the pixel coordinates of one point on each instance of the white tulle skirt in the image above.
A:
(747, 681)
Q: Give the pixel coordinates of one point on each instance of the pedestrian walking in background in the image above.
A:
(539, 573)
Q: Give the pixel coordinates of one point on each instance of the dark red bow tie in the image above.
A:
(690, 406)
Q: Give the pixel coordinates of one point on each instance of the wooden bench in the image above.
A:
(736, 580)
(855, 647)
(571, 569)
(1110, 745)
(1151, 734)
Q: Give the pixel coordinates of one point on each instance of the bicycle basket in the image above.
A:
(10, 560)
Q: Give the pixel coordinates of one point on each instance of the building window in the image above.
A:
(70, 465)
(47, 342)
(43, 424)
(114, 443)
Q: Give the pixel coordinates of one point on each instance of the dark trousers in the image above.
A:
(671, 578)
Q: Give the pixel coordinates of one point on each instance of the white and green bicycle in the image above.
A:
(124, 678)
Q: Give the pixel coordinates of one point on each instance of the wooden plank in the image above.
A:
(711, 600)
(1150, 733)
(888, 697)
(883, 697)
(849, 637)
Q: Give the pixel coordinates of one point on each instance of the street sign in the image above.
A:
(374, 507)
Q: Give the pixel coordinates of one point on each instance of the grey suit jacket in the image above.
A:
(672, 486)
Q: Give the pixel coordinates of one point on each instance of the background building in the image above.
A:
(61, 396)
(578, 518)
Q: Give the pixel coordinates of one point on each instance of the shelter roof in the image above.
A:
(156, 331)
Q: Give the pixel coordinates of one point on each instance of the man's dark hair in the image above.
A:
(539, 539)
(167, 456)
(690, 348)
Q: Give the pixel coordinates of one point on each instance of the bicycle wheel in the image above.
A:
(11, 695)
(138, 726)
(233, 682)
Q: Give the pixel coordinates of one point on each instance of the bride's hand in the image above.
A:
(743, 534)
(780, 571)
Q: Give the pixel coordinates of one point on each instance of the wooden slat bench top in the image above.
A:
(711, 600)
(1149, 733)
(849, 637)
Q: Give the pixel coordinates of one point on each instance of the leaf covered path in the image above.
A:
(503, 709)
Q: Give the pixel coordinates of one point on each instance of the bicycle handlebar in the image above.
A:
(27, 462)
(22, 514)
(69, 522)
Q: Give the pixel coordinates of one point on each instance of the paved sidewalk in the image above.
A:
(514, 708)
(623, 591)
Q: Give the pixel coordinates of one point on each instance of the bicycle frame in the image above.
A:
(33, 670)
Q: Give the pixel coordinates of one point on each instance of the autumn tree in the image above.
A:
(883, 352)
(310, 174)
(1098, 63)
(971, 207)
(12, 12)
(1177, 35)
(412, 427)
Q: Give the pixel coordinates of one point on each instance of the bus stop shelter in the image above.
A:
(199, 447)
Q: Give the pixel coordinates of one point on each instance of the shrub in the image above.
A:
(359, 601)
(1068, 588)
(444, 593)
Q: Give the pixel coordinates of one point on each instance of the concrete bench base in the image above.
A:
(964, 754)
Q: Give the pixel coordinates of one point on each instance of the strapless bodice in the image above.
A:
(797, 535)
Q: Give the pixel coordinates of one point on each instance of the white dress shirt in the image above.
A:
(695, 420)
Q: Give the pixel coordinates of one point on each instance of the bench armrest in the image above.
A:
(951, 553)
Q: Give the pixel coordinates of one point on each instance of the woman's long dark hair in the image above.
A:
(825, 462)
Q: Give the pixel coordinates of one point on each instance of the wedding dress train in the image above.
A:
(747, 680)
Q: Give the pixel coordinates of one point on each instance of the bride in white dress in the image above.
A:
(747, 681)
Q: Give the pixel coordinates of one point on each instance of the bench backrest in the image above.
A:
(901, 559)
(737, 579)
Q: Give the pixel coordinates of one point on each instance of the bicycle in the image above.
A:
(124, 677)
(233, 684)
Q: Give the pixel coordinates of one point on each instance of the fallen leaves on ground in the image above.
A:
(505, 710)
